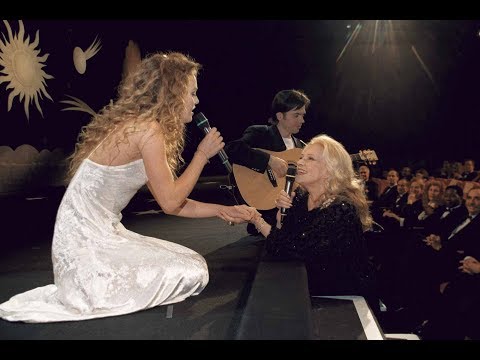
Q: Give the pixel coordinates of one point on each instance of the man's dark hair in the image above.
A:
(456, 188)
(287, 100)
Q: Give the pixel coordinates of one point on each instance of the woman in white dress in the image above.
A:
(101, 268)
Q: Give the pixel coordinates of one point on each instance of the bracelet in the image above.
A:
(262, 223)
(206, 157)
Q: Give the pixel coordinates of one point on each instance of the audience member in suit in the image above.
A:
(287, 117)
(458, 282)
(449, 215)
(389, 195)
(325, 223)
(387, 198)
(403, 187)
(469, 173)
(413, 207)
(371, 187)
(443, 222)
(463, 240)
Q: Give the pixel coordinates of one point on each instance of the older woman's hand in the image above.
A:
(283, 200)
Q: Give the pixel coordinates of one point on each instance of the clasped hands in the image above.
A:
(434, 241)
(469, 265)
(238, 214)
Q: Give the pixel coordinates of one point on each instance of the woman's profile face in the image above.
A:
(191, 99)
(311, 167)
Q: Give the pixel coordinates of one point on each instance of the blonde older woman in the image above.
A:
(325, 223)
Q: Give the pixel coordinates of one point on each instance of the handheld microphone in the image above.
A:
(203, 124)
(290, 179)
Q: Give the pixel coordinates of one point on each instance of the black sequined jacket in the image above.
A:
(330, 241)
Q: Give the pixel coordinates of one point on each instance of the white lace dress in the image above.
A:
(101, 268)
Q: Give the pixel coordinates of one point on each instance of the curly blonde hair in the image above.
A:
(342, 181)
(154, 92)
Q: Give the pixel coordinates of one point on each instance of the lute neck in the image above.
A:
(356, 157)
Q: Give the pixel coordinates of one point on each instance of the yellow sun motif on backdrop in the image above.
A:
(23, 68)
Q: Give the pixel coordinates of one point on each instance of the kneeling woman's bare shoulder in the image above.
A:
(139, 133)
(150, 141)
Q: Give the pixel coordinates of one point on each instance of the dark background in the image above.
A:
(410, 90)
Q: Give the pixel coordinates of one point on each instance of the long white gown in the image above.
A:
(101, 268)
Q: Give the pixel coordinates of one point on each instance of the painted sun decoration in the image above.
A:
(22, 68)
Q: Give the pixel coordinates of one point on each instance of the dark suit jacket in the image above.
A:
(465, 243)
(470, 176)
(398, 207)
(399, 204)
(410, 213)
(266, 137)
(371, 190)
(443, 227)
(387, 197)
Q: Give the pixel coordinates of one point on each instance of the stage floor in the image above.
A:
(231, 254)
